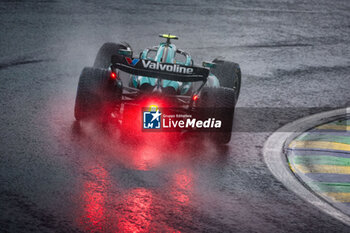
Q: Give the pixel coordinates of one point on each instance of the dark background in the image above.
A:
(293, 54)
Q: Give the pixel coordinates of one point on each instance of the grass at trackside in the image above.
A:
(325, 138)
(324, 164)
(330, 187)
(339, 122)
(342, 122)
(319, 159)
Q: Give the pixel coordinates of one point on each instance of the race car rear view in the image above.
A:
(119, 86)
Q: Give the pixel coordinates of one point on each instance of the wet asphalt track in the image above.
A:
(57, 178)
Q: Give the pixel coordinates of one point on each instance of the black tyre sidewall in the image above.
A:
(103, 57)
(228, 74)
(92, 93)
(219, 102)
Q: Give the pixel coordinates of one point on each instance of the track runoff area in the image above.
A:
(320, 157)
(311, 156)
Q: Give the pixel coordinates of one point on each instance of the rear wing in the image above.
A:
(159, 70)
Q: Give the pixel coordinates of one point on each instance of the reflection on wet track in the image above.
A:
(107, 206)
(137, 187)
(58, 176)
(93, 200)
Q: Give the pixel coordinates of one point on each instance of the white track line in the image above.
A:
(276, 161)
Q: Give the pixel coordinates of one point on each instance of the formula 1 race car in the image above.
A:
(119, 82)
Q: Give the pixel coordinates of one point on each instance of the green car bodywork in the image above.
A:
(167, 53)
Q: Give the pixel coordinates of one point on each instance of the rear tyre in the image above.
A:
(229, 74)
(103, 57)
(219, 103)
(94, 92)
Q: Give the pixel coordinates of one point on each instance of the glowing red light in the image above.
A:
(113, 75)
(195, 97)
(94, 201)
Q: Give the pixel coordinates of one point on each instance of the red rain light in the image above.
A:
(113, 75)
(195, 97)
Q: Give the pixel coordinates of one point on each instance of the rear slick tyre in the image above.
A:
(92, 93)
(219, 103)
(103, 57)
(228, 74)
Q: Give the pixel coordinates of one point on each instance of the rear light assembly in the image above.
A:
(113, 75)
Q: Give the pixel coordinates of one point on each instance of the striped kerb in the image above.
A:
(320, 157)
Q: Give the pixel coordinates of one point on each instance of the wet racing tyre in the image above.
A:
(228, 73)
(103, 57)
(218, 103)
(93, 93)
